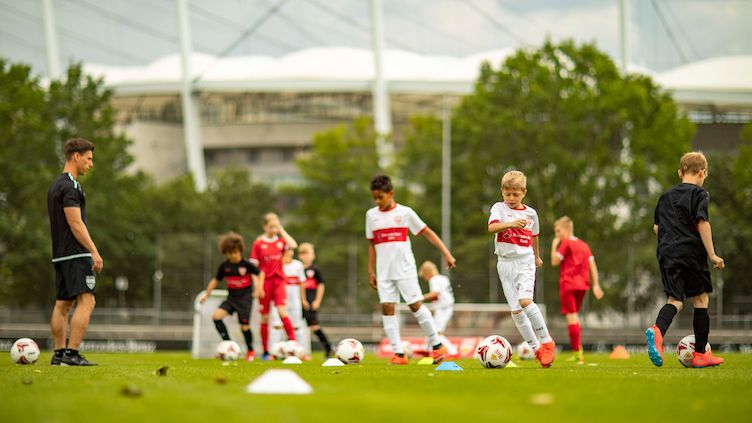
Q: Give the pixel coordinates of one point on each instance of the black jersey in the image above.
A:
(677, 214)
(66, 191)
(238, 276)
(313, 278)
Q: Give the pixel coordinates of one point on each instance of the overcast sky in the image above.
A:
(663, 33)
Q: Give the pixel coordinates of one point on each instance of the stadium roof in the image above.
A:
(719, 82)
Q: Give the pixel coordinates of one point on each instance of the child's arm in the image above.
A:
(288, 239)
(655, 228)
(499, 226)
(319, 297)
(259, 290)
(555, 259)
(597, 291)
(439, 244)
(703, 226)
(431, 296)
(371, 264)
(303, 297)
(536, 251)
(209, 288)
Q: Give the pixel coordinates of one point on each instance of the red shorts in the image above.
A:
(275, 289)
(571, 300)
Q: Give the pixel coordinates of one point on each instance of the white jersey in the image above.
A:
(388, 230)
(294, 272)
(514, 242)
(443, 286)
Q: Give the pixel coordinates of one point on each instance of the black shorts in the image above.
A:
(311, 316)
(74, 277)
(240, 305)
(681, 282)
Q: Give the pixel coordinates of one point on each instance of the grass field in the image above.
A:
(605, 390)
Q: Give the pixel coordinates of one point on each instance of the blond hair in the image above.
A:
(693, 162)
(514, 179)
(269, 217)
(428, 266)
(566, 221)
(305, 247)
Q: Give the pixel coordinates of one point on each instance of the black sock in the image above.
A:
(248, 339)
(400, 355)
(701, 324)
(59, 353)
(665, 316)
(437, 346)
(71, 353)
(322, 337)
(222, 329)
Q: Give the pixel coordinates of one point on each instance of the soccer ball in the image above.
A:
(228, 351)
(24, 351)
(685, 349)
(494, 352)
(278, 350)
(292, 349)
(407, 348)
(350, 351)
(524, 351)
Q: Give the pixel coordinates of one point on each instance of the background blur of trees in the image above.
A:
(596, 145)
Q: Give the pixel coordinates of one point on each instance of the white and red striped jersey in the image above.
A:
(514, 242)
(442, 285)
(388, 231)
(294, 272)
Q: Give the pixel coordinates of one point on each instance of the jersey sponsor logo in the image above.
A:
(516, 236)
(389, 235)
(238, 282)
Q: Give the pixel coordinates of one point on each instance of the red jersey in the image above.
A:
(574, 271)
(267, 253)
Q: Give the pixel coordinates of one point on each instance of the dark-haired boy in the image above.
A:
(391, 265)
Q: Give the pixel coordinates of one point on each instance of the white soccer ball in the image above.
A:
(278, 350)
(494, 352)
(228, 351)
(350, 351)
(685, 348)
(407, 348)
(24, 351)
(524, 351)
(293, 349)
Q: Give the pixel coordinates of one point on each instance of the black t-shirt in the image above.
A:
(677, 214)
(313, 278)
(66, 191)
(238, 276)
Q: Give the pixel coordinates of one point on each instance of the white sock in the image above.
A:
(539, 325)
(391, 327)
(526, 330)
(425, 320)
(451, 349)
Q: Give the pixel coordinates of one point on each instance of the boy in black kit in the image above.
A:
(685, 242)
(242, 287)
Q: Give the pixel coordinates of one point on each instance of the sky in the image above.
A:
(663, 34)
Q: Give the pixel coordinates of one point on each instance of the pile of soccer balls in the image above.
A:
(282, 350)
(24, 351)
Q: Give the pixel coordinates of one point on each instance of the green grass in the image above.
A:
(614, 390)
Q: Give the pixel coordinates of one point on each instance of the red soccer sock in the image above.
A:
(265, 336)
(289, 328)
(575, 336)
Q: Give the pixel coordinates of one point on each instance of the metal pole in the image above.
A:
(192, 135)
(446, 177)
(624, 33)
(352, 275)
(50, 37)
(381, 112)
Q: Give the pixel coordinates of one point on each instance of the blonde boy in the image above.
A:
(516, 230)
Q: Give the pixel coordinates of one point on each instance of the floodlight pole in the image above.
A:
(446, 176)
(624, 33)
(381, 113)
(50, 37)
(191, 125)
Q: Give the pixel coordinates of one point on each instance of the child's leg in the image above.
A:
(218, 315)
(506, 270)
(701, 322)
(410, 291)
(286, 322)
(391, 327)
(667, 313)
(575, 332)
(536, 320)
(264, 307)
(248, 336)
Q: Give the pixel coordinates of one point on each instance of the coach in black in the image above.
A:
(74, 254)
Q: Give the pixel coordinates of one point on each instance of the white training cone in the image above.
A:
(279, 381)
(292, 360)
(333, 362)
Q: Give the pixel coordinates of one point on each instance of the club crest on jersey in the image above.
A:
(242, 271)
(264, 246)
(280, 245)
(310, 273)
(398, 219)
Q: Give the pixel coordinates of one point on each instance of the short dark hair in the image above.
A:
(382, 183)
(231, 241)
(77, 145)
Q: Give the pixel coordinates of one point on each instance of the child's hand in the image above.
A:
(203, 298)
(718, 262)
(451, 262)
(372, 279)
(306, 306)
(519, 223)
(538, 262)
(598, 292)
(315, 306)
(260, 294)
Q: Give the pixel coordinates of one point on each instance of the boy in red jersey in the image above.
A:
(267, 254)
(244, 281)
(391, 254)
(577, 270)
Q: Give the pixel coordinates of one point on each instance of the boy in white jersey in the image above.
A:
(390, 252)
(516, 230)
(441, 294)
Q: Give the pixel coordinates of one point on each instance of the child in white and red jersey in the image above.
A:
(390, 251)
(295, 273)
(516, 230)
(267, 254)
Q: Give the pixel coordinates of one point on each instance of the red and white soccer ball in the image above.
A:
(24, 351)
(350, 351)
(494, 352)
(524, 351)
(228, 351)
(292, 349)
(278, 350)
(685, 348)
(407, 348)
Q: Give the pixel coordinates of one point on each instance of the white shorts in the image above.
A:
(517, 278)
(390, 290)
(441, 317)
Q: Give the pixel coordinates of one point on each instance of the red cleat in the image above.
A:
(705, 360)
(546, 354)
(398, 360)
(655, 345)
(250, 356)
(439, 354)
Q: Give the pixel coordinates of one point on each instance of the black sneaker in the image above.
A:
(56, 360)
(75, 360)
